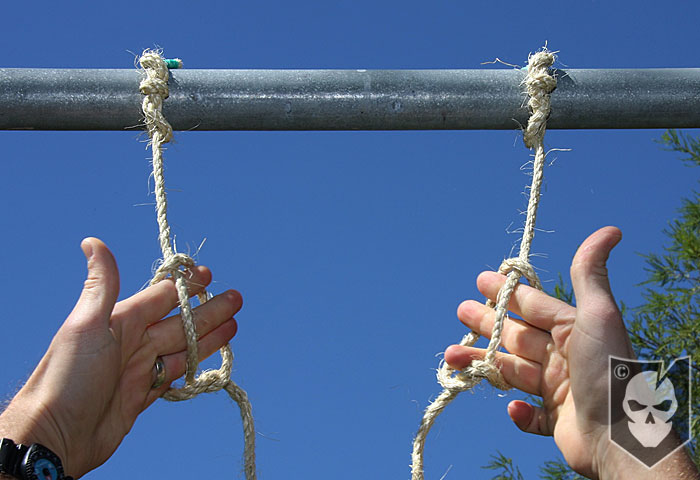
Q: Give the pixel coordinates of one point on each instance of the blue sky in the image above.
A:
(352, 249)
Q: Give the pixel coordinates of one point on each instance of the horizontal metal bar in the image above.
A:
(74, 99)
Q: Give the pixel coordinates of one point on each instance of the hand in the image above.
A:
(96, 376)
(560, 353)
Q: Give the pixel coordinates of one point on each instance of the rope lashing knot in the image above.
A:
(523, 268)
(154, 87)
(539, 84)
(456, 381)
(169, 265)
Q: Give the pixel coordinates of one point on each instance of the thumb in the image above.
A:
(589, 277)
(101, 288)
(598, 332)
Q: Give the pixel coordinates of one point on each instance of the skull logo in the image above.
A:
(649, 406)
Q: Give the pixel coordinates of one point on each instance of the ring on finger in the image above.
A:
(159, 371)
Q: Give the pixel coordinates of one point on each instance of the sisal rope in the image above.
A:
(539, 84)
(154, 87)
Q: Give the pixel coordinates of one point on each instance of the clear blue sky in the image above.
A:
(352, 249)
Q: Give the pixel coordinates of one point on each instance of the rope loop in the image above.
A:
(208, 381)
(455, 381)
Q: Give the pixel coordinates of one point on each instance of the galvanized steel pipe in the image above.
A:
(82, 99)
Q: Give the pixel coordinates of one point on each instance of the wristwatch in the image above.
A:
(35, 462)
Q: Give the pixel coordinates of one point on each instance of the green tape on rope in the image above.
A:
(173, 63)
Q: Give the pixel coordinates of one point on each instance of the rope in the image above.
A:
(155, 88)
(539, 84)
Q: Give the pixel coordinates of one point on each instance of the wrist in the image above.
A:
(26, 422)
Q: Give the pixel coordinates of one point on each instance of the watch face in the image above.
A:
(42, 464)
(44, 469)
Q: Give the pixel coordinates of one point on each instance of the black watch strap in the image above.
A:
(14, 456)
(11, 456)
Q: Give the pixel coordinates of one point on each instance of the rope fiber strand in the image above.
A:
(154, 87)
(539, 84)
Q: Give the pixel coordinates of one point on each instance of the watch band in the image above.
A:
(11, 456)
(17, 460)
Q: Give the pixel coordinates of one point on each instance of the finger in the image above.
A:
(156, 301)
(167, 335)
(529, 418)
(101, 288)
(176, 363)
(518, 337)
(519, 372)
(533, 305)
(589, 274)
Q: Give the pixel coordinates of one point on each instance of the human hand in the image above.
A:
(559, 353)
(96, 377)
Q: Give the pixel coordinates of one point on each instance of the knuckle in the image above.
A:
(514, 338)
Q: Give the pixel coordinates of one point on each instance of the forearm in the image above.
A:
(617, 464)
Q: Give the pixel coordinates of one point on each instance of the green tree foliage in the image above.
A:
(504, 467)
(558, 470)
(551, 470)
(667, 324)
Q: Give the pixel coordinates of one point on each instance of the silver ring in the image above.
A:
(159, 370)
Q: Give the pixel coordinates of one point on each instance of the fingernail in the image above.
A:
(87, 248)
